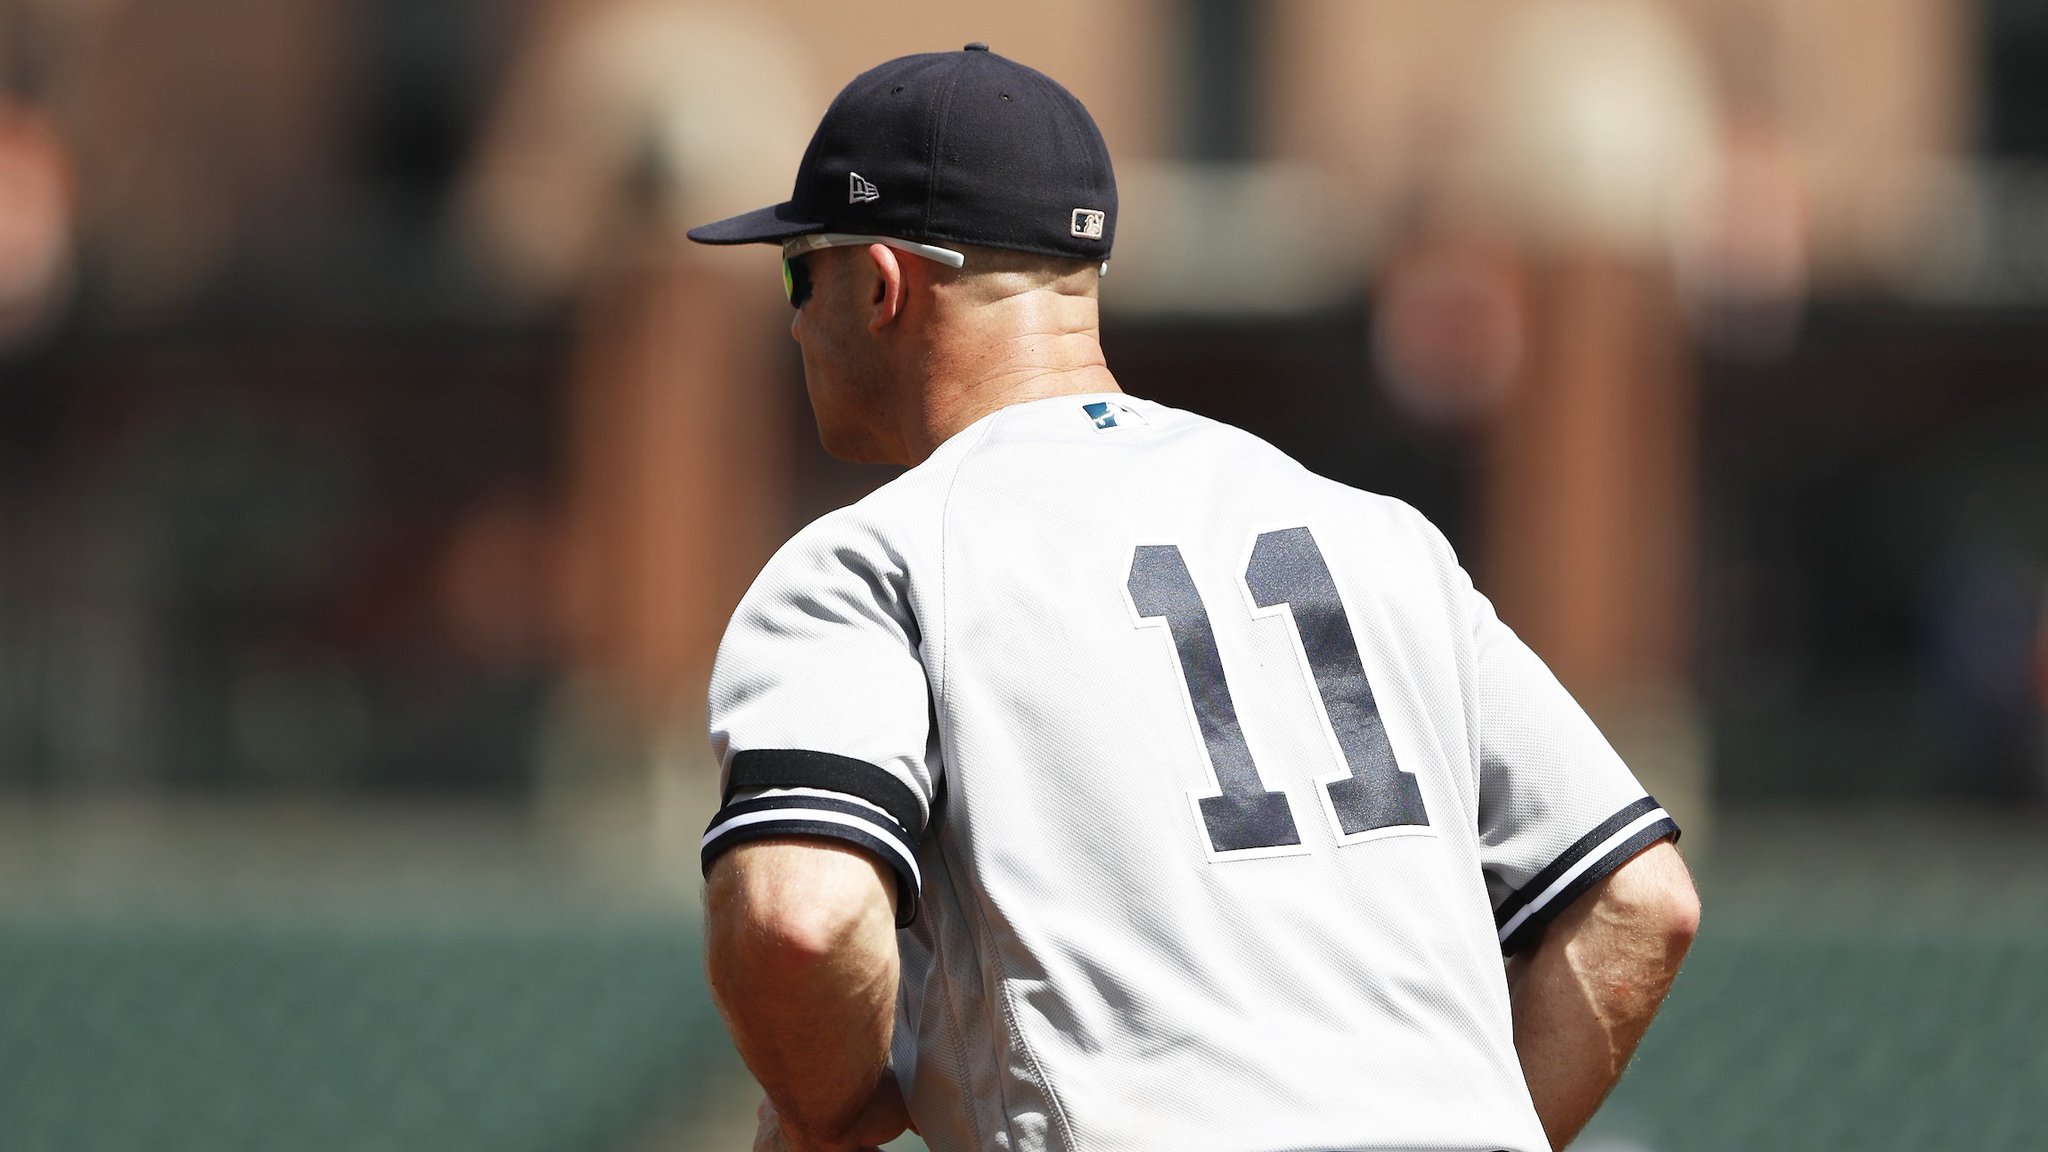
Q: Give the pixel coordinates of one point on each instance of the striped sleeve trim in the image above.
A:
(1589, 860)
(846, 820)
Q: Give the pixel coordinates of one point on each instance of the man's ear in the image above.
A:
(885, 293)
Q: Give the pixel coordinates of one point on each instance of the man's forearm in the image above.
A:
(801, 949)
(1584, 996)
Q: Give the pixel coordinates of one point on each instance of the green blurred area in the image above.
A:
(1875, 981)
(291, 1026)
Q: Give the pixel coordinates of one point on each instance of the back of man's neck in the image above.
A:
(951, 405)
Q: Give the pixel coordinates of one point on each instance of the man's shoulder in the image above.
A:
(881, 531)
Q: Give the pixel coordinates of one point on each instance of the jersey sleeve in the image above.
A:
(820, 710)
(1558, 810)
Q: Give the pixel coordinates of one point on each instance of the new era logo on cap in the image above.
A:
(976, 149)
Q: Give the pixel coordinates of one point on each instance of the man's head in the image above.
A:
(886, 332)
(948, 204)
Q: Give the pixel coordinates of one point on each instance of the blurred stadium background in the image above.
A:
(377, 467)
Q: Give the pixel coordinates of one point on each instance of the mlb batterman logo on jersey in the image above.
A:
(1108, 414)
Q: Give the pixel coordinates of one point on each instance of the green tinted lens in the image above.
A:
(796, 279)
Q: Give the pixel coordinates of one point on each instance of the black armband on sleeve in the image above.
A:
(892, 835)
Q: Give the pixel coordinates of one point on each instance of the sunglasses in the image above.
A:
(796, 278)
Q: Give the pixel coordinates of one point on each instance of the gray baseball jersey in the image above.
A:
(1213, 790)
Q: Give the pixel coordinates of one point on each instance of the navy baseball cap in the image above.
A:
(963, 146)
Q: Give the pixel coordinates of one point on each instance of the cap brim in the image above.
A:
(770, 225)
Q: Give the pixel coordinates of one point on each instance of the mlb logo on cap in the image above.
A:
(1087, 224)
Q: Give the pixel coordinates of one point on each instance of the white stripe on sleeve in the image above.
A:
(1572, 873)
(881, 829)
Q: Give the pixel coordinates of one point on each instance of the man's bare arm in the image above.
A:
(801, 949)
(1584, 995)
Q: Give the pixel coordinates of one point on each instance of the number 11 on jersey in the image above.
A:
(1246, 818)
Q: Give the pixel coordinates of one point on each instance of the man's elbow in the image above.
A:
(1680, 915)
(1655, 895)
(786, 911)
(798, 936)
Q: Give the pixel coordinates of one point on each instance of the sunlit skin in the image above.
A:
(1585, 994)
(801, 949)
(901, 352)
